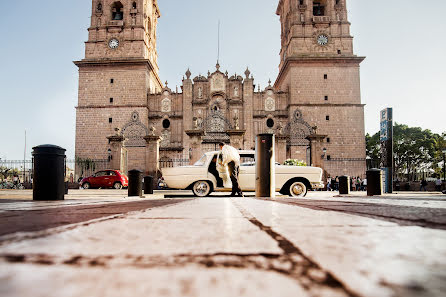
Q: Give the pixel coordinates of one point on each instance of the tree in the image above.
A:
(414, 149)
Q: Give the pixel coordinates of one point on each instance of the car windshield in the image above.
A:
(201, 162)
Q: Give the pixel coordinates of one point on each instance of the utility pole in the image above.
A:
(24, 158)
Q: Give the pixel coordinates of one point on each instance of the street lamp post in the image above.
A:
(324, 150)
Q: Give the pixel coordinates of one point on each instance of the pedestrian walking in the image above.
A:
(423, 185)
(438, 184)
(364, 183)
(231, 158)
(329, 184)
(358, 183)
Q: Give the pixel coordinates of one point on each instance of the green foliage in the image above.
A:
(295, 162)
(373, 146)
(7, 172)
(85, 164)
(414, 149)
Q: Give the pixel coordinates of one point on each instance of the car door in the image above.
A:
(247, 175)
(108, 179)
(98, 180)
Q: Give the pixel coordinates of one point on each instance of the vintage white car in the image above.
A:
(290, 180)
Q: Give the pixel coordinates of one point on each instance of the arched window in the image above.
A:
(99, 7)
(318, 8)
(134, 5)
(117, 11)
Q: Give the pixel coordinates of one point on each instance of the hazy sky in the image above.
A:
(403, 41)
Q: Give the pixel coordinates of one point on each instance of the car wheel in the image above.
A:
(201, 188)
(117, 186)
(298, 189)
(86, 186)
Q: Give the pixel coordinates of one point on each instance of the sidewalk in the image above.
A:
(229, 247)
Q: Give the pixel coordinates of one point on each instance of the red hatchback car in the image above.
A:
(106, 179)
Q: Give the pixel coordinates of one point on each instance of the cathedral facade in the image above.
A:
(314, 107)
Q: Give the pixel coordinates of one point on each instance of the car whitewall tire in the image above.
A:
(201, 188)
(86, 186)
(298, 189)
(117, 186)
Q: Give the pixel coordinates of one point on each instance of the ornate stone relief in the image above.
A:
(270, 104)
(218, 83)
(298, 130)
(165, 138)
(166, 105)
(134, 132)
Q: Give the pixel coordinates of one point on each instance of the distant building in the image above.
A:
(314, 104)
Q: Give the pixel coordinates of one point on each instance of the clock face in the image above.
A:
(113, 43)
(322, 39)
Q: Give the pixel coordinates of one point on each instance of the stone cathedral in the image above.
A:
(126, 114)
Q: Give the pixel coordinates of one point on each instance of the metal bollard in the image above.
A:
(135, 183)
(265, 166)
(148, 184)
(49, 172)
(344, 185)
(374, 182)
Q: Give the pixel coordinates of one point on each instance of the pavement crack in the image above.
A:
(296, 264)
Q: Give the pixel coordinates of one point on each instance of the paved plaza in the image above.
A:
(102, 243)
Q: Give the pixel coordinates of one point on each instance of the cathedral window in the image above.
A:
(117, 11)
(110, 120)
(270, 123)
(301, 2)
(134, 5)
(318, 8)
(112, 80)
(166, 124)
(111, 100)
(326, 98)
(325, 76)
(339, 52)
(327, 118)
(328, 139)
(99, 7)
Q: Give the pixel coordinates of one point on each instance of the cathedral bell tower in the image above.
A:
(320, 72)
(118, 72)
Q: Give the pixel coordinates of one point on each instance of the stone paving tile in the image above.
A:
(371, 257)
(192, 281)
(198, 226)
(227, 247)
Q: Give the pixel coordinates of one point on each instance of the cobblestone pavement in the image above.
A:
(102, 243)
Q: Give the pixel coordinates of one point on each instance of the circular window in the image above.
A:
(166, 124)
(270, 123)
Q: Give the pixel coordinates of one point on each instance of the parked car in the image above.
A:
(290, 180)
(105, 179)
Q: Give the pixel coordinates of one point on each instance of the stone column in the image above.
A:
(115, 143)
(280, 148)
(236, 138)
(152, 155)
(316, 146)
(195, 137)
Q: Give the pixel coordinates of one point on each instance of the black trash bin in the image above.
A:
(135, 183)
(374, 182)
(48, 172)
(148, 184)
(344, 185)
